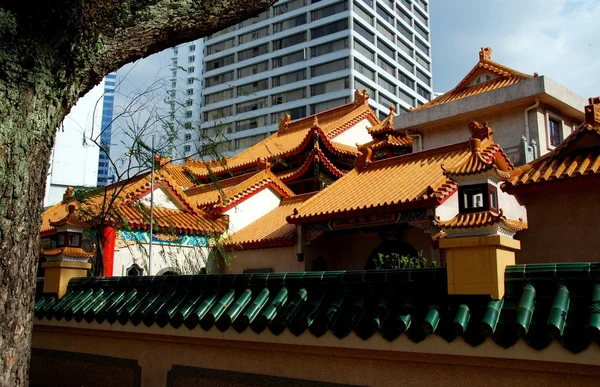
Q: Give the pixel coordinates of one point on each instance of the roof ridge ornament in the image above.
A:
(68, 194)
(481, 132)
(485, 54)
(592, 112)
(284, 122)
(361, 98)
(315, 124)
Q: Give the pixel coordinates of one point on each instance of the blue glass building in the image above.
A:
(105, 172)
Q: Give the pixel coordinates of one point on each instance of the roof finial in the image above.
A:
(315, 124)
(485, 54)
(284, 122)
(482, 132)
(361, 98)
(68, 194)
(592, 112)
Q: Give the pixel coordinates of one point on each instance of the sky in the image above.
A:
(555, 38)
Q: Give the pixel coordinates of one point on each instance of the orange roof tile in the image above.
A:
(293, 137)
(390, 140)
(74, 252)
(314, 156)
(226, 195)
(385, 126)
(171, 220)
(177, 172)
(271, 230)
(505, 76)
(480, 219)
(403, 181)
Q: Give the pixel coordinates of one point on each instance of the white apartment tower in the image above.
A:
(302, 57)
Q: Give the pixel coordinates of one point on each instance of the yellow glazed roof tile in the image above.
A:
(480, 219)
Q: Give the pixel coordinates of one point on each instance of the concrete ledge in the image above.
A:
(485, 240)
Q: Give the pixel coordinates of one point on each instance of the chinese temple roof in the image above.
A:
(271, 230)
(481, 219)
(293, 137)
(500, 76)
(407, 181)
(543, 303)
(577, 156)
(385, 126)
(68, 251)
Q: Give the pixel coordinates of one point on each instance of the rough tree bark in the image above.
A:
(52, 53)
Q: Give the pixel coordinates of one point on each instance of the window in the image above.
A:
(406, 3)
(423, 92)
(406, 80)
(385, 101)
(187, 148)
(253, 87)
(221, 62)
(385, 15)
(328, 48)
(364, 70)
(187, 137)
(190, 91)
(248, 106)
(288, 7)
(219, 79)
(387, 67)
(74, 240)
(174, 74)
(254, 20)
(288, 59)
(191, 58)
(385, 32)
(173, 83)
(477, 197)
(365, 33)
(61, 239)
(404, 31)
(358, 85)
(189, 102)
(363, 14)
(289, 78)
(289, 96)
(289, 41)
(192, 47)
(329, 67)
(364, 50)
(422, 32)
(253, 69)
(387, 85)
(254, 35)
(404, 16)
(422, 62)
(329, 10)
(421, 46)
(320, 107)
(493, 197)
(216, 114)
(188, 114)
(554, 129)
(296, 113)
(329, 29)
(289, 23)
(253, 52)
(247, 142)
(329, 87)
(424, 78)
(219, 96)
(190, 81)
(219, 33)
(224, 45)
(404, 96)
(387, 50)
(175, 52)
(250, 123)
(216, 131)
(191, 69)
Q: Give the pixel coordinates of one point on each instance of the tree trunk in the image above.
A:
(26, 135)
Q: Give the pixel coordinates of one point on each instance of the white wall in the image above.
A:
(448, 209)
(251, 209)
(160, 200)
(356, 134)
(72, 163)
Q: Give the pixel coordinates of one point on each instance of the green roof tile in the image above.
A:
(542, 303)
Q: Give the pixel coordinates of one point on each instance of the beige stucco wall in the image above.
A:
(280, 259)
(563, 226)
(357, 362)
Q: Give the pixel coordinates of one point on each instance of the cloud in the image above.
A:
(556, 38)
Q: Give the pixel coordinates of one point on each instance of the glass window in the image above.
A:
(404, 96)
(358, 85)
(250, 123)
(387, 50)
(254, 20)
(190, 81)
(216, 131)
(387, 67)
(294, 57)
(219, 79)
(320, 107)
(190, 91)
(421, 46)
(387, 85)
(358, 46)
(289, 41)
(423, 92)
(384, 14)
(218, 63)
(406, 64)
(363, 14)
(253, 69)
(295, 114)
(404, 16)
(248, 106)
(364, 70)
(368, 2)
(254, 35)
(187, 137)
(406, 80)
(247, 142)
(422, 32)
(329, 10)
(365, 33)
(422, 4)
(289, 23)
(192, 47)
(554, 129)
(188, 114)
(406, 3)
(288, 7)
(328, 48)
(253, 87)
(389, 3)
(191, 58)
(224, 45)
(191, 69)
(420, 60)
(405, 48)
(219, 96)
(222, 32)
(387, 102)
(187, 148)
(216, 114)
(404, 31)
(293, 95)
(285, 79)
(253, 52)
(385, 32)
(329, 67)
(74, 239)
(424, 78)
(329, 87)
(329, 29)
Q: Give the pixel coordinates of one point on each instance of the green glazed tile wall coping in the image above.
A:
(543, 302)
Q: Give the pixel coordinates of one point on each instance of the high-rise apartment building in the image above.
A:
(302, 57)
(108, 100)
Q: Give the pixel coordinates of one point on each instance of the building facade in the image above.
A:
(104, 168)
(301, 58)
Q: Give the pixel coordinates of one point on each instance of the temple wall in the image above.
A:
(252, 209)
(280, 259)
(562, 227)
(140, 356)
(181, 259)
(357, 134)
